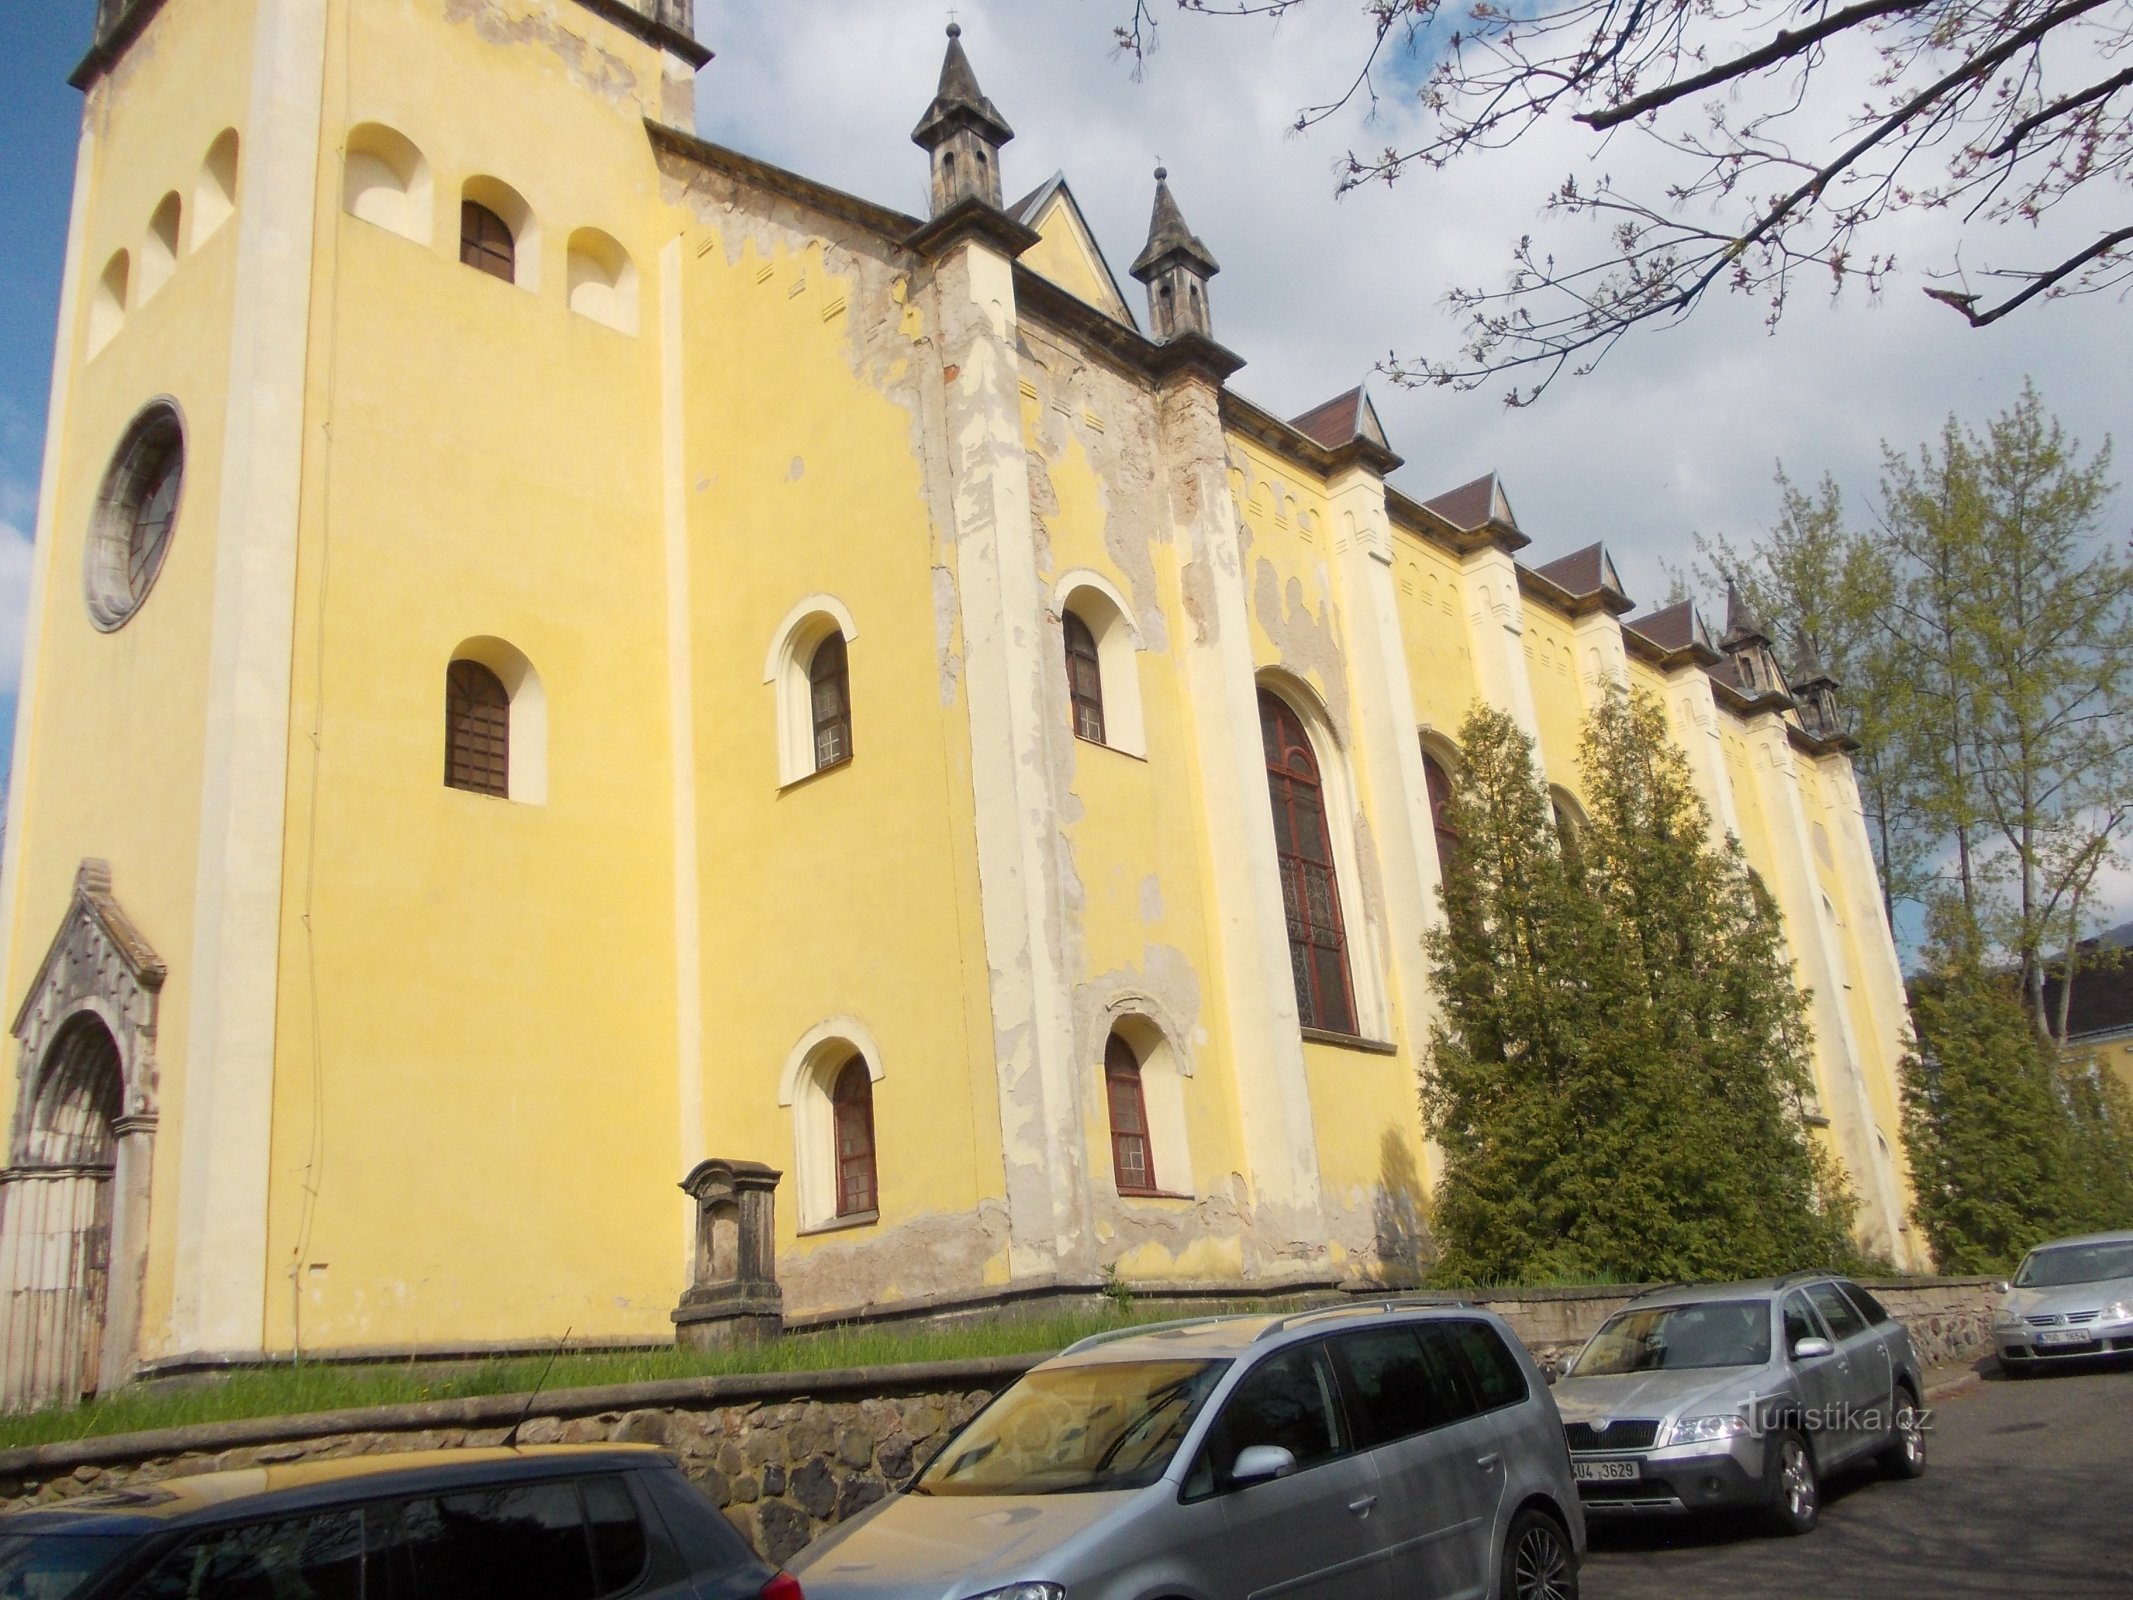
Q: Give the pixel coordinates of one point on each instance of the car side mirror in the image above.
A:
(1810, 1349)
(1258, 1462)
(2001, 1286)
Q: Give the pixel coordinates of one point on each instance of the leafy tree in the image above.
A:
(1791, 136)
(1992, 1158)
(1984, 633)
(1617, 1075)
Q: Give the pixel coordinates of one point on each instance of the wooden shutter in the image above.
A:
(853, 1102)
(485, 244)
(477, 730)
(1085, 683)
(830, 693)
(1132, 1162)
(1310, 891)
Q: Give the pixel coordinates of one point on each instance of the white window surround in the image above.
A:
(517, 215)
(804, 1087)
(386, 180)
(1104, 612)
(1164, 1069)
(159, 250)
(1366, 977)
(792, 647)
(527, 780)
(602, 280)
(107, 305)
(215, 189)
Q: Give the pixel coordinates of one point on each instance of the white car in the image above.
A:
(2070, 1299)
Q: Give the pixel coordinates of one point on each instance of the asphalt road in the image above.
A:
(2028, 1492)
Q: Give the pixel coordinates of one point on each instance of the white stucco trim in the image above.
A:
(219, 1289)
(526, 776)
(681, 736)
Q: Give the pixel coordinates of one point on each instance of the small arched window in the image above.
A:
(1440, 813)
(1132, 1160)
(477, 730)
(1085, 680)
(1569, 830)
(852, 1105)
(829, 689)
(1318, 947)
(485, 243)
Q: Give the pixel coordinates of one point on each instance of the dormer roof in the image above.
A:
(1067, 252)
(1479, 504)
(1344, 417)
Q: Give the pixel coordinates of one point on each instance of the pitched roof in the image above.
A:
(1741, 622)
(1583, 572)
(1344, 417)
(1068, 254)
(1474, 505)
(1679, 626)
(959, 95)
(1168, 235)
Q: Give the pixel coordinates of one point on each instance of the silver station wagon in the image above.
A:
(1716, 1396)
(1356, 1452)
(2070, 1300)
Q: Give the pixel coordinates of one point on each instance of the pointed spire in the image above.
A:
(1742, 625)
(1168, 235)
(1176, 267)
(963, 131)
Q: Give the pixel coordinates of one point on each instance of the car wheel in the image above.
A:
(1904, 1456)
(1795, 1494)
(1538, 1563)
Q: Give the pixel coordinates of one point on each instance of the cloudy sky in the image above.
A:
(1677, 432)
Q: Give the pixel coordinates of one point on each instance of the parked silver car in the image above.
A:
(1713, 1396)
(1357, 1453)
(2070, 1299)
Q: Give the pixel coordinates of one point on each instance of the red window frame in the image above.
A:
(486, 243)
(1310, 885)
(829, 694)
(1085, 680)
(477, 730)
(852, 1105)
(1132, 1152)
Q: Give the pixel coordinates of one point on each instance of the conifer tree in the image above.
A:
(1617, 1075)
(1990, 1142)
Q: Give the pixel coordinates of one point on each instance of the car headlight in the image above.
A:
(2006, 1318)
(1024, 1591)
(1706, 1430)
(2118, 1311)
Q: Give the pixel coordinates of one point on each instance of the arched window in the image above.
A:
(130, 533)
(477, 730)
(385, 181)
(1318, 952)
(852, 1102)
(485, 243)
(829, 691)
(1132, 1159)
(1569, 829)
(1440, 813)
(1085, 680)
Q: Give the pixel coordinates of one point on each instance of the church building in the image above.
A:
(566, 661)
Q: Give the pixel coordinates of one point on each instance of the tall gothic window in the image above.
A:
(830, 692)
(1085, 683)
(485, 243)
(1440, 813)
(477, 730)
(1318, 950)
(852, 1101)
(1131, 1163)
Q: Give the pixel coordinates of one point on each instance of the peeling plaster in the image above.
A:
(881, 1265)
(601, 72)
(1151, 898)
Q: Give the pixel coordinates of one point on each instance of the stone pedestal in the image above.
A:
(733, 1295)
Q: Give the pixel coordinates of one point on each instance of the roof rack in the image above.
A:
(1398, 1302)
(1138, 1328)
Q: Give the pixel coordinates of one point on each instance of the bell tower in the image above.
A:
(963, 133)
(1175, 266)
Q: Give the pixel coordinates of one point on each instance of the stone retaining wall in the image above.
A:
(786, 1455)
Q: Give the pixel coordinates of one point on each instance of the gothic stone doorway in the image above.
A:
(74, 1195)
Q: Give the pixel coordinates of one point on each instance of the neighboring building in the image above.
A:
(558, 650)
(2099, 1013)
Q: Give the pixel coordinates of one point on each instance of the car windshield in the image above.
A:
(53, 1566)
(1714, 1333)
(2076, 1263)
(1107, 1425)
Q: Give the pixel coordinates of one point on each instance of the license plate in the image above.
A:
(1606, 1471)
(2064, 1336)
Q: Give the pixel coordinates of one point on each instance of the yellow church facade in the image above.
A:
(558, 651)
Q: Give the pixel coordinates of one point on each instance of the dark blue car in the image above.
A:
(538, 1523)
